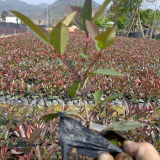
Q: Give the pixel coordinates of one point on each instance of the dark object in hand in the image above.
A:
(79, 142)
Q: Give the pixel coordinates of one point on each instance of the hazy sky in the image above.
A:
(146, 5)
(50, 1)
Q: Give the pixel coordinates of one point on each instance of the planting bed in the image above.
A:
(29, 68)
(33, 83)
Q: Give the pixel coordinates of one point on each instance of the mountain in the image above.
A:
(27, 9)
(42, 5)
(59, 9)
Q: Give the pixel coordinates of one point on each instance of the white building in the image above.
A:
(12, 19)
(112, 23)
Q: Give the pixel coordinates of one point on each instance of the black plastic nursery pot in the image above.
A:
(120, 34)
(135, 35)
(156, 37)
(79, 142)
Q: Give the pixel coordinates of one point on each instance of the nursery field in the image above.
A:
(29, 68)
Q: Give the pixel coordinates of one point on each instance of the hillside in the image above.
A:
(60, 9)
(42, 5)
(20, 6)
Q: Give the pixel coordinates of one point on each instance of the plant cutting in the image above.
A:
(58, 41)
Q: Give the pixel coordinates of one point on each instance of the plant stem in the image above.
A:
(85, 81)
(28, 148)
(100, 53)
(87, 41)
(81, 117)
(85, 107)
(64, 61)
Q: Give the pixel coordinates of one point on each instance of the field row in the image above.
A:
(28, 67)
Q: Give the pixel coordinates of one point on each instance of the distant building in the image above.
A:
(12, 19)
(43, 22)
(112, 23)
(35, 21)
(39, 22)
(1, 20)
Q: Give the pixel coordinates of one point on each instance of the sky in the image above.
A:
(51, 1)
(145, 5)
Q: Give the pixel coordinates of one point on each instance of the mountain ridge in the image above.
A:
(25, 8)
(59, 9)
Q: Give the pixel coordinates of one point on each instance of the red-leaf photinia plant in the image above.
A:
(58, 40)
(28, 66)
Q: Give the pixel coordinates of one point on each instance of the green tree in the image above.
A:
(100, 22)
(122, 21)
(81, 7)
(147, 16)
(121, 11)
(3, 15)
(126, 7)
(71, 24)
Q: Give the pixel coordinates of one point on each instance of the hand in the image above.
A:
(139, 151)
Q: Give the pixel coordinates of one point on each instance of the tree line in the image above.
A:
(130, 16)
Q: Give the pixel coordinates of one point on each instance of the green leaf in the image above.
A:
(85, 82)
(100, 10)
(36, 132)
(73, 89)
(110, 98)
(123, 126)
(44, 31)
(55, 115)
(134, 117)
(84, 56)
(106, 38)
(78, 24)
(87, 12)
(50, 116)
(3, 119)
(5, 134)
(69, 112)
(59, 37)
(69, 18)
(37, 31)
(92, 29)
(155, 135)
(78, 20)
(69, 63)
(106, 72)
(98, 95)
(60, 61)
(97, 47)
